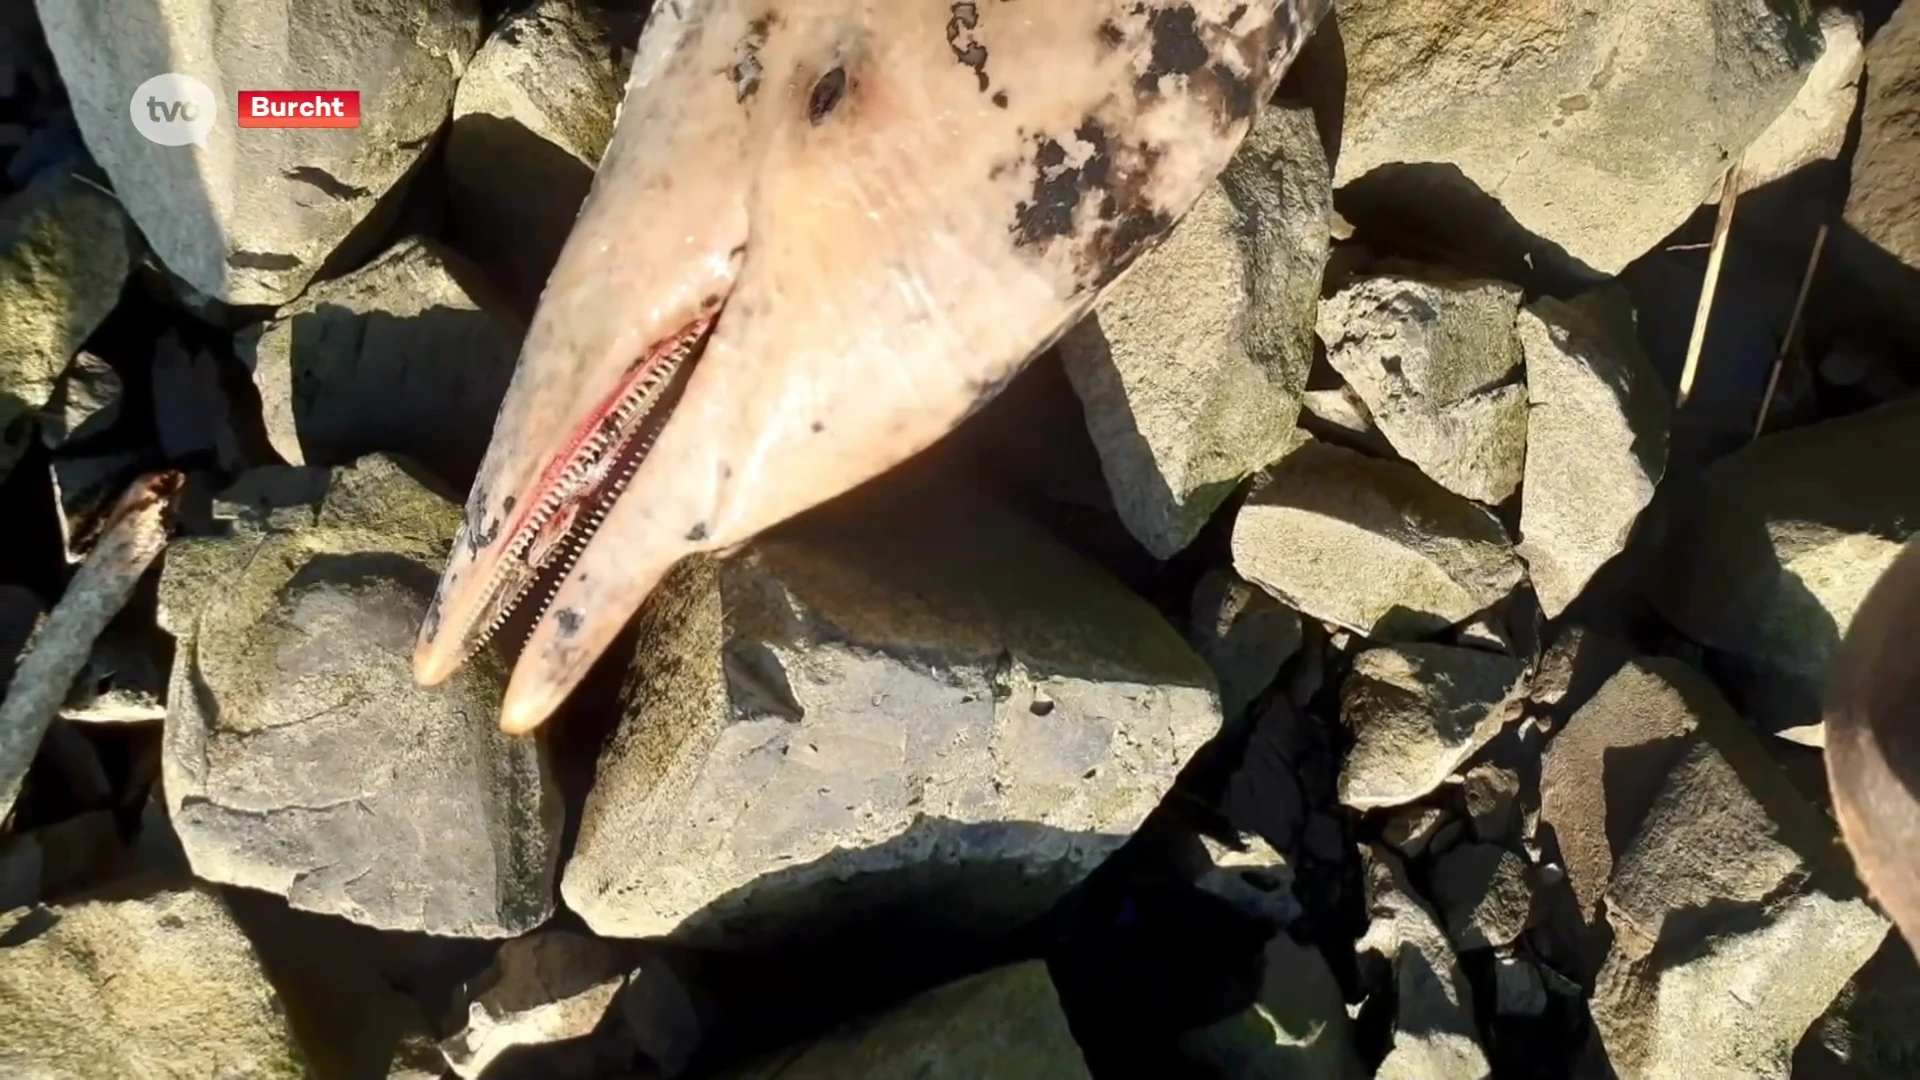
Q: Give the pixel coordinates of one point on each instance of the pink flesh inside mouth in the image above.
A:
(566, 506)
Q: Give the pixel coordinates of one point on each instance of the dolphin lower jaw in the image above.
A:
(564, 508)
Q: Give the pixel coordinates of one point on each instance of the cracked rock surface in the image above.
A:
(302, 759)
(884, 706)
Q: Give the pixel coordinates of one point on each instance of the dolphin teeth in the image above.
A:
(577, 489)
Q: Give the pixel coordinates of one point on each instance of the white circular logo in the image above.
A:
(174, 110)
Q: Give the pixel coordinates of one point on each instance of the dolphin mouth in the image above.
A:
(578, 486)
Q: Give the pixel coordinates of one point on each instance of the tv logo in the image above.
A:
(174, 110)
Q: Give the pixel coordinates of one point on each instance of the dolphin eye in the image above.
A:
(826, 94)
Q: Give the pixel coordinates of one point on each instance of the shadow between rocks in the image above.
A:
(1432, 212)
(516, 240)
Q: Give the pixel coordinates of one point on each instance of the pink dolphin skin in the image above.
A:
(824, 233)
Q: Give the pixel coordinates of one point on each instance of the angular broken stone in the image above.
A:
(1438, 366)
(545, 987)
(406, 355)
(1417, 713)
(1410, 830)
(1002, 1023)
(1371, 545)
(1298, 1026)
(1596, 440)
(301, 758)
(1492, 798)
(164, 986)
(1483, 895)
(1814, 125)
(1604, 767)
(190, 410)
(921, 699)
(1573, 125)
(1518, 986)
(65, 252)
(85, 402)
(251, 217)
(1883, 206)
(1339, 416)
(530, 119)
(1732, 882)
(1769, 563)
(1192, 366)
(1434, 1037)
(1243, 634)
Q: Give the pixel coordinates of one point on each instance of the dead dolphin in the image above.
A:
(824, 232)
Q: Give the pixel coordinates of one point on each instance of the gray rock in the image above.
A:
(1483, 895)
(931, 699)
(1411, 829)
(1434, 1037)
(1603, 769)
(1417, 713)
(1003, 1023)
(85, 402)
(300, 756)
(1339, 416)
(1596, 440)
(251, 218)
(65, 251)
(530, 119)
(1370, 545)
(165, 986)
(1257, 880)
(1297, 1026)
(1437, 365)
(190, 410)
(1518, 986)
(1814, 126)
(1731, 881)
(407, 355)
(1770, 561)
(1868, 1033)
(1191, 368)
(545, 987)
(1600, 133)
(1243, 634)
(1492, 801)
(1882, 203)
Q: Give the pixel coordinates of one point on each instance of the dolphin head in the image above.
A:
(824, 233)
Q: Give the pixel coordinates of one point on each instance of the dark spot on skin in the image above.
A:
(569, 620)
(697, 533)
(432, 618)
(818, 427)
(746, 70)
(1233, 20)
(1056, 198)
(966, 48)
(507, 506)
(1177, 48)
(1000, 99)
(1117, 247)
(1110, 35)
(478, 538)
(1231, 95)
(826, 95)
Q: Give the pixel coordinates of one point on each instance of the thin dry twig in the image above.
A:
(1722, 226)
(135, 534)
(1793, 329)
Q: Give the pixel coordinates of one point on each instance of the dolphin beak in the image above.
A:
(818, 241)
